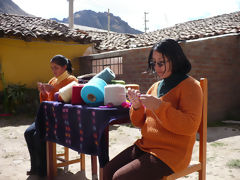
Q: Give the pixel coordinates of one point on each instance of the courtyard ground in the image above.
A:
(223, 151)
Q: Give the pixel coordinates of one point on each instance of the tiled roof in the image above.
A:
(113, 41)
(217, 25)
(29, 28)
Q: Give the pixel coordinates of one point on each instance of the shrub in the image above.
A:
(20, 99)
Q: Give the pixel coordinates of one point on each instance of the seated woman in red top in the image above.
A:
(61, 68)
(168, 115)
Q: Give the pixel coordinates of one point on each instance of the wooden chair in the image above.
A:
(199, 166)
(64, 160)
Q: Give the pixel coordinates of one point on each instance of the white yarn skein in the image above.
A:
(66, 91)
(114, 94)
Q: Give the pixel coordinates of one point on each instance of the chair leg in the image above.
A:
(101, 174)
(54, 159)
(66, 153)
(82, 164)
(94, 167)
(66, 157)
(201, 175)
(51, 160)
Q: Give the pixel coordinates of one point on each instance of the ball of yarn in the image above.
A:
(93, 92)
(83, 79)
(56, 95)
(107, 75)
(76, 94)
(114, 94)
(66, 92)
(117, 81)
(126, 104)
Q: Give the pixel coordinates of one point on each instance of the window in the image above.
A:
(114, 63)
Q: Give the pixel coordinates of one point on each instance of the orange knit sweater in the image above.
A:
(57, 86)
(169, 132)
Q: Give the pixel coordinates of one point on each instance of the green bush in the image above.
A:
(1, 102)
(31, 103)
(16, 97)
(19, 99)
(4, 98)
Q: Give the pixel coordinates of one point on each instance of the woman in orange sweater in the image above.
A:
(168, 115)
(61, 68)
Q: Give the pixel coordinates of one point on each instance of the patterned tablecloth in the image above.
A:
(78, 127)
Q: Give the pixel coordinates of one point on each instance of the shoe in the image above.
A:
(31, 172)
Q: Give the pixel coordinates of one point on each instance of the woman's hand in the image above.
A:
(40, 87)
(150, 102)
(133, 96)
(44, 87)
(48, 88)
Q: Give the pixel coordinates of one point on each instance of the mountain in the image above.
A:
(85, 18)
(9, 7)
(100, 20)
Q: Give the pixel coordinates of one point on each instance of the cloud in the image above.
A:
(44, 8)
(160, 13)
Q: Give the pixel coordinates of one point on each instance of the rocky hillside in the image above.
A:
(9, 7)
(100, 20)
(84, 18)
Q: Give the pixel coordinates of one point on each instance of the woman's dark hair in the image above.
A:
(173, 51)
(62, 61)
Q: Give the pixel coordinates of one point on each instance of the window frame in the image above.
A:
(114, 63)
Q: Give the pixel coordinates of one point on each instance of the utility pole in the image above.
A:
(108, 23)
(108, 20)
(145, 22)
(70, 17)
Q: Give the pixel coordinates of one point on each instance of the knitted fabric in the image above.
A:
(169, 132)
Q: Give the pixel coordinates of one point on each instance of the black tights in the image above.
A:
(133, 163)
(37, 150)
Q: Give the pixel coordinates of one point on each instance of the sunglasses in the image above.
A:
(160, 63)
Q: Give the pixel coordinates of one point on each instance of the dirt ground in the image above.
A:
(223, 151)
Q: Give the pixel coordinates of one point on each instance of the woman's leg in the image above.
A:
(41, 160)
(121, 160)
(29, 137)
(145, 167)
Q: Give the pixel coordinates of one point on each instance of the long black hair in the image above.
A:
(174, 53)
(62, 61)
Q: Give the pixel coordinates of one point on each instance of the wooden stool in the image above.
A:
(64, 160)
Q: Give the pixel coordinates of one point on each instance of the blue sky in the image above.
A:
(161, 13)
